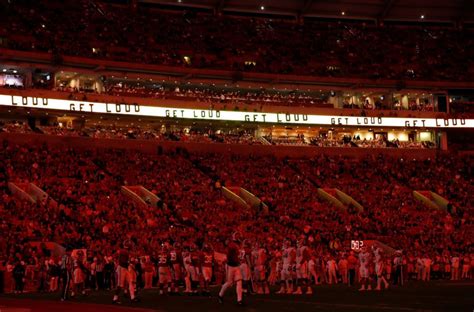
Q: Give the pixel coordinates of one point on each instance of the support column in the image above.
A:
(133, 5)
(443, 141)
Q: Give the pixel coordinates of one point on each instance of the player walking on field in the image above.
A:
(288, 263)
(364, 258)
(234, 274)
(123, 274)
(302, 271)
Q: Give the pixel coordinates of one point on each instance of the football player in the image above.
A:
(164, 272)
(364, 258)
(302, 259)
(245, 266)
(123, 275)
(259, 260)
(234, 274)
(207, 262)
(288, 256)
(176, 259)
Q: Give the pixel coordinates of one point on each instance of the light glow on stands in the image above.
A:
(216, 115)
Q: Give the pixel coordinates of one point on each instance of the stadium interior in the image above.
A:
(344, 127)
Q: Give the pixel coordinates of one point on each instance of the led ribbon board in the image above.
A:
(216, 115)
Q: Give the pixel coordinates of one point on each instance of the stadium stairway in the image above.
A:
(31, 192)
(339, 199)
(55, 249)
(231, 194)
(244, 198)
(263, 140)
(431, 199)
(140, 195)
(387, 250)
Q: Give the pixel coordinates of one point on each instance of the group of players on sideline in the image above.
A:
(253, 267)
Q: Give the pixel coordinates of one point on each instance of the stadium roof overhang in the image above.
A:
(387, 10)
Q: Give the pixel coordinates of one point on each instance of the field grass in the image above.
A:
(416, 296)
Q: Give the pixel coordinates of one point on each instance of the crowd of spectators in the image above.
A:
(344, 141)
(277, 185)
(150, 133)
(90, 210)
(230, 97)
(356, 141)
(422, 105)
(463, 109)
(222, 96)
(92, 213)
(15, 127)
(207, 136)
(321, 48)
(384, 188)
(234, 97)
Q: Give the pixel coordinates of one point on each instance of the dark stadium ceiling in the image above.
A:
(397, 10)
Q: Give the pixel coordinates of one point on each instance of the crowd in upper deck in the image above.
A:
(320, 48)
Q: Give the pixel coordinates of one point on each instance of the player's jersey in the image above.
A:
(287, 256)
(207, 259)
(175, 257)
(254, 256)
(377, 254)
(66, 263)
(331, 265)
(79, 264)
(364, 259)
(244, 254)
(186, 258)
(233, 255)
(76, 264)
(148, 266)
(445, 260)
(398, 261)
(163, 259)
(302, 255)
(196, 258)
(466, 260)
(259, 256)
(123, 257)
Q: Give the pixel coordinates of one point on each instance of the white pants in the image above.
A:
(332, 276)
(426, 273)
(364, 272)
(234, 275)
(244, 268)
(302, 270)
(192, 272)
(207, 273)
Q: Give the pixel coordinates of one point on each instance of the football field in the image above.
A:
(432, 296)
